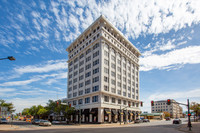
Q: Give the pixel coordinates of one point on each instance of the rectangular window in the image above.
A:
(106, 88)
(75, 73)
(124, 86)
(74, 102)
(70, 82)
(87, 74)
(87, 100)
(70, 88)
(124, 102)
(119, 61)
(106, 53)
(88, 51)
(96, 46)
(118, 69)
(96, 62)
(80, 101)
(95, 88)
(75, 60)
(113, 90)
(124, 93)
(106, 98)
(70, 76)
(88, 58)
(81, 70)
(74, 87)
(113, 81)
(74, 94)
(87, 90)
(106, 70)
(96, 79)
(81, 63)
(87, 82)
(81, 56)
(95, 99)
(119, 92)
(113, 73)
(95, 70)
(69, 95)
(106, 79)
(80, 92)
(95, 54)
(88, 67)
(106, 62)
(113, 57)
(119, 101)
(80, 85)
(75, 66)
(81, 77)
(113, 65)
(118, 84)
(113, 100)
(119, 76)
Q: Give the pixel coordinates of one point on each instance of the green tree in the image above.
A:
(195, 107)
(42, 112)
(10, 106)
(26, 111)
(167, 114)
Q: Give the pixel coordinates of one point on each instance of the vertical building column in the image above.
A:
(100, 115)
(109, 116)
(83, 118)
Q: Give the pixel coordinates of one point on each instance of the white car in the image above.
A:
(45, 123)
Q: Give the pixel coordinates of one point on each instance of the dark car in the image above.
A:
(177, 121)
(3, 120)
(146, 120)
(138, 121)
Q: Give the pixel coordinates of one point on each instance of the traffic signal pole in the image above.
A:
(188, 106)
(189, 122)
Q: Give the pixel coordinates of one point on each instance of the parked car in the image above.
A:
(59, 122)
(36, 121)
(45, 123)
(177, 121)
(168, 119)
(146, 120)
(138, 121)
(3, 120)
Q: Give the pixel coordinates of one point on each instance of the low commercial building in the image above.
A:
(158, 116)
(174, 109)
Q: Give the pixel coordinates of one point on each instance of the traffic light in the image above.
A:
(70, 105)
(168, 101)
(189, 114)
(152, 103)
(57, 103)
(141, 104)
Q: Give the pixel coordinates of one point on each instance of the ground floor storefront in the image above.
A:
(104, 115)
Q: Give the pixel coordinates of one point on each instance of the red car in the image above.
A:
(168, 119)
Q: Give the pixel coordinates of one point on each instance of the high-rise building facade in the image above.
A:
(174, 109)
(103, 76)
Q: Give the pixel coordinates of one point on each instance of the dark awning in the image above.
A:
(86, 111)
(130, 113)
(125, 112)
(133, 112)
(120, 112)
(94, 111)
(114, 112)
(107, 111)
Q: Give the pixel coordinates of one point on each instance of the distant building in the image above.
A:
(146, 115)
(103, 75)
(174, 109)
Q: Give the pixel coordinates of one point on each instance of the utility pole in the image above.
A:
(120, 116)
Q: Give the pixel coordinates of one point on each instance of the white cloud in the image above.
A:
(53, 65)
(188, 55)
(20, 83)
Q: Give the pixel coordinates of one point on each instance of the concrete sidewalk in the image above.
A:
(195, 128)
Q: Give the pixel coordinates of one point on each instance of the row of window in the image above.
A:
(80, 92)
(119, 101)
(87, 82)
(87, 100)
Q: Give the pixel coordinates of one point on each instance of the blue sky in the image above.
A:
(37, 33)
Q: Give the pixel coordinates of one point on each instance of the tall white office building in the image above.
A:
(103, 76)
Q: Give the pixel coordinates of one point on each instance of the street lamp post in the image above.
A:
(11, 58)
